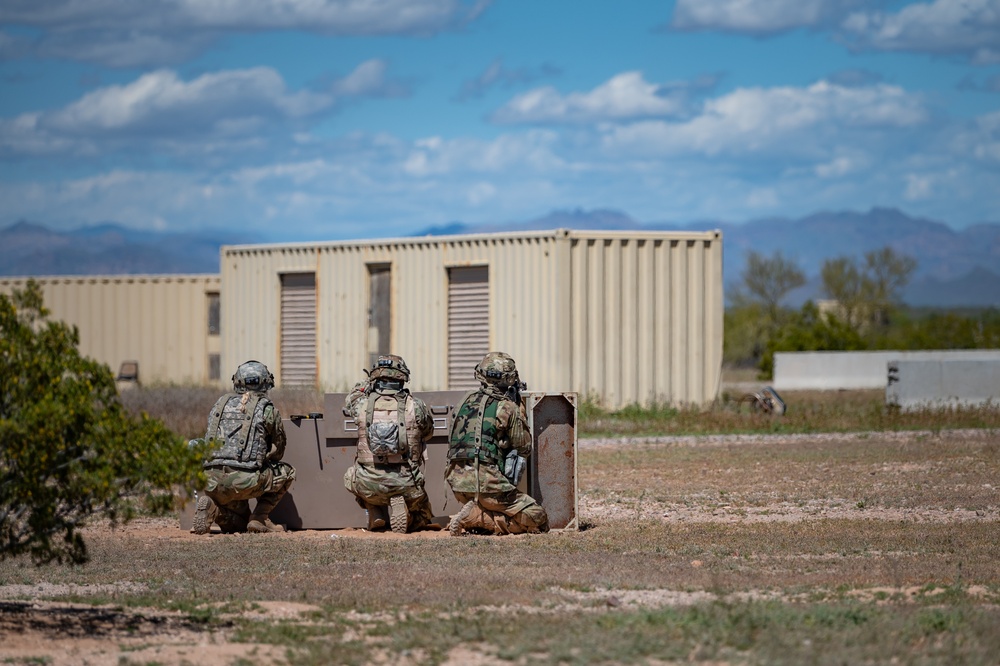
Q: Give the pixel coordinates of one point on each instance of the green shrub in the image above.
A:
(70, 450)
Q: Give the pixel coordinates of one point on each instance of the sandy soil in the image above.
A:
(68, 634)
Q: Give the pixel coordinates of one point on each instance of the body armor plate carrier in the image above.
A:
(384, 436)
(237, 425)
(474, 440)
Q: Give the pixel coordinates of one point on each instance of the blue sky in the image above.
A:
(331, 119)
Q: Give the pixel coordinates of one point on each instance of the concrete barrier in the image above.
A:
(949, 383)
(833, 370)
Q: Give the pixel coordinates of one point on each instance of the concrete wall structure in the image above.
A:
(833, 370)
(624, 317)
(916, 384)
(161, 321)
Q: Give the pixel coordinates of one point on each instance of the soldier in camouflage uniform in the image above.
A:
(488, 433)
(246, 427)
(393, 427)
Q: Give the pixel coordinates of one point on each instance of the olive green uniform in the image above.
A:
(487, 425)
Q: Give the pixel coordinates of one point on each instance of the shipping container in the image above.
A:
(167, 324)
(622, 318)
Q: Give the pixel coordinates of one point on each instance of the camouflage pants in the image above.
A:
(375, 485)
(507, 513)
(503, 509)
(231, 489)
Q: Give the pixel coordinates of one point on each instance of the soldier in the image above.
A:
(488, 446)
(246, 427)
(392, 429)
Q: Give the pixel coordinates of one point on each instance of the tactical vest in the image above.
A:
(237, 423)
(474, 431)
(389, 432)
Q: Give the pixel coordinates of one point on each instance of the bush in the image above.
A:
(809, 330)
(70, 450)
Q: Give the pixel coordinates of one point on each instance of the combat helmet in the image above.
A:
(390, 366)
(253, 376)
(498, 369)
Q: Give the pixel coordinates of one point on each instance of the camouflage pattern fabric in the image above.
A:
(231, 488)
(376, 484)
(503, 508)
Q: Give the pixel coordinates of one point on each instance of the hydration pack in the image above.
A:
(385, 426)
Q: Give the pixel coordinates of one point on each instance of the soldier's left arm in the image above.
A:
(518, 435)
(272, 423)
(424, 419)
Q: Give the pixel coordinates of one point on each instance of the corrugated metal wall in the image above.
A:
(159, 320)
(623, 317)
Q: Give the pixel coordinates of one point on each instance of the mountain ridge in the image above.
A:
(955, 268)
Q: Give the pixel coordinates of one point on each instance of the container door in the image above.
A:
(298, 329)
(468, 323)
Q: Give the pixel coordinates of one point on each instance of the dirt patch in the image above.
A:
(72, 634)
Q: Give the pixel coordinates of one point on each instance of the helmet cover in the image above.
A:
(390, 366)
(253, 376)
(498, 369)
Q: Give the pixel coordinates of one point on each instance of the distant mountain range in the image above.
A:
(954, 268)
(108, 249)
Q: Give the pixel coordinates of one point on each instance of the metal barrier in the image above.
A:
(321, 447)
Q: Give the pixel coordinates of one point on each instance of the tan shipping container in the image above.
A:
(621, 317)
(168, 323)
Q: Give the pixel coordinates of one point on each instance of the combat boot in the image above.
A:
(399, 515)
(376, 517)
(458, 522)
(204, 515)
(263, 525)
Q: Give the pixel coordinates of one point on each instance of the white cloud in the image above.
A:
(233, 107)
(981, 140)
(156, 32)
(532, 151)
(369, 80)
(758, 17)
(780, 120)
(918, 187)
(963, 27)
(626, 96)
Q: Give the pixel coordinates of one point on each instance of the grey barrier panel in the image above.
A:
(935, 383)
(831, 370)
(322, 448)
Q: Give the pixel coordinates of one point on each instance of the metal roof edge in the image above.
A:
(581, 234)
(115, 277)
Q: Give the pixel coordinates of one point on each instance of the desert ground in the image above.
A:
(816, 548)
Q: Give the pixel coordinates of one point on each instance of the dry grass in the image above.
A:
(819, 549)
(184, 409)
(807, 411)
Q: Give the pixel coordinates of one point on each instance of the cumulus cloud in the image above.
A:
(969, 28)
(626, 96)
(156, 32)
(759, 17)
(161, 108)
(497, 75)
(780, 120)
(533, 150)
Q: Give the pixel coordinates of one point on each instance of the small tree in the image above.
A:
(757, 312)
(768, 280)
(68, 449)
(865, 293)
